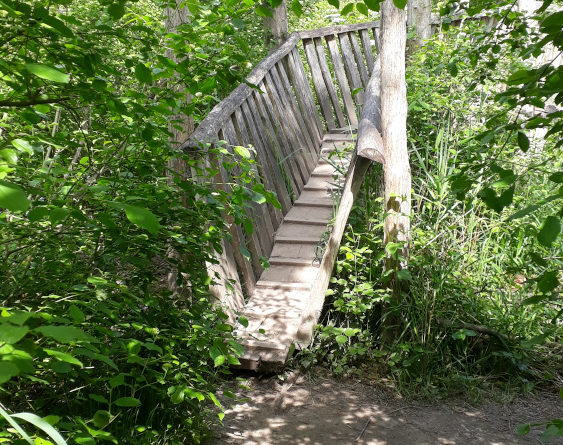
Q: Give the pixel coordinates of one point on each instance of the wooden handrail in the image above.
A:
(370, 143)
(209, 127)
(336, 29)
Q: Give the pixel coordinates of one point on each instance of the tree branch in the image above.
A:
(30, 102)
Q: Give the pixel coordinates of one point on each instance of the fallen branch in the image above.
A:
(473, 327)
(31, 102)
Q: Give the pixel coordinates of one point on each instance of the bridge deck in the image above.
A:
(278, 312)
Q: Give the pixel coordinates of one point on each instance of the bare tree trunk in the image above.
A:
(397, 174)
(419, 18)
(180, 126)
(276, 27)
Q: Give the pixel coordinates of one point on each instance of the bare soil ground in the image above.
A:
(336, 412)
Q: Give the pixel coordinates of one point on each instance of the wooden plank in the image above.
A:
(338, 67)
(329, 82)
(376, 38)
(321, 32)
(351, 68)
(312, 144)
(301, 140)
(370, 143)
(270, 174)
(288, 163)
(238, 239)
(359, 58)
(274, 164)
(305, 95)
(320, 87)
(295, 145)
(368, 49)
(209, 127)
(298, 169)
(264, 228)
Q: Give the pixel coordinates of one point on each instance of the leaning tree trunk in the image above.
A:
(276, 27)
(397, 174)
(180, 126)
(419, 18)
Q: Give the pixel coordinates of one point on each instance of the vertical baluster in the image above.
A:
(306, 94)
(289, 165)
(306, 131)
(288, 139)
(359, 59)
(263, 223)
(368, 49)
(318, 82)
(238, 239)
(338, 67)
(351, 68)
(329, 82)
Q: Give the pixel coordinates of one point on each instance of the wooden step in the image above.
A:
(312, 222)
(295, 240)
(304, 251)
(292, 261)
(302, 203)
(282, 285)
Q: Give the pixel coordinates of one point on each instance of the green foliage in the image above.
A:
(94, 222)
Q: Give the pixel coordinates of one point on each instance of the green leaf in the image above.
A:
(127, 402)
(341, 339)
(143, 74)
(243, 152)
(335, 3)
(9, 155)
(37, 213)
(7, 371)
(523, 429)
(400, 3)
(548, 281)
(244, 252)
(38, 422)
(13, 198)
(76, 314)
(178, 394)
(142, 217)
(264, 11)
(101, 418)
(374, 5)
(47, 72)
(347, 10)
(403, 275)
(362, 8)
(453, 69)
(219, 360)
(556, 177)
(116, 10)
(65, 334)
(10, 334)
(549, 231)
(523, 141)
(297, 8)
(64, 357)
(116, 381)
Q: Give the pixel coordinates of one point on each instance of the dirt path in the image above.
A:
(331, 412)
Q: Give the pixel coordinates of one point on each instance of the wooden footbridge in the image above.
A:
(301, 115)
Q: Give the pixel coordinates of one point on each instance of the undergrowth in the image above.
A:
(470, 319)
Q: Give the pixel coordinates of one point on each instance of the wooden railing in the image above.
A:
(285, 122)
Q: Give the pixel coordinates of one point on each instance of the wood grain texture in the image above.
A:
(298, 169)
(304, 94)
(338, 67)
(294, 146)
(368, 49)
(287, 163)
(262, 221)
(321, 32)
(359, 58)
(318, 83)
(209, 127)
(327, 76)
(369, 142)
(351, 69)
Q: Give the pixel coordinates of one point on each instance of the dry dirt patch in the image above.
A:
(336, 412)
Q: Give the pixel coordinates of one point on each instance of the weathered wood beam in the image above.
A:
(370, 143)
(321, 32)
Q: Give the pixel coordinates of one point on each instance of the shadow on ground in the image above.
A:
(334, 412)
